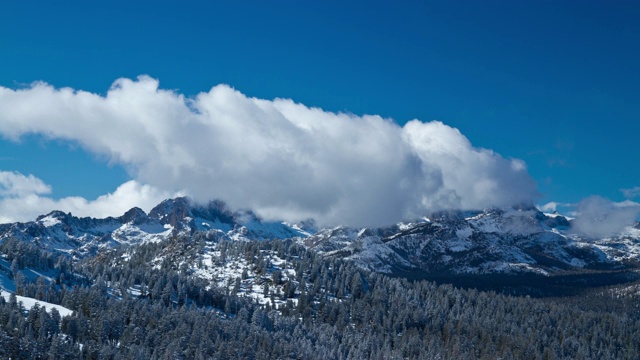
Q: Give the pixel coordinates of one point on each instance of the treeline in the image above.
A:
(339, 312)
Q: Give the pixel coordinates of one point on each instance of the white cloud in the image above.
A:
(552, 206)
(26, 206)
(631, 193)
(16, 184)
(282, 159)
(598, 217)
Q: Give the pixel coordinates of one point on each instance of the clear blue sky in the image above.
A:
(554, 83)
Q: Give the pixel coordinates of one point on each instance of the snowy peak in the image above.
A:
(135, 216)
(216, 211)
(309, 226)
(53, 218)
(181, 209)
(185, 214)
(555, 220)
(172, 211)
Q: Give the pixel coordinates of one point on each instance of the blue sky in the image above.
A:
(553, 83)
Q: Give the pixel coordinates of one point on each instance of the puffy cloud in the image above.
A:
(27, 205)
(631, 193)
(553, 206)
(16, 184)
(283, 159)
(597, 217)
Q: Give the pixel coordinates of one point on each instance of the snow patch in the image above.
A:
(577, 263)
(464, 233)
(49, 221)
(28, 303)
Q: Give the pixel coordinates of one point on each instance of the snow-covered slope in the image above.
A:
(516, 240)
(519, 240)
(28, 303)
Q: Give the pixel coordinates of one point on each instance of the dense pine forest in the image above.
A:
(148, 302)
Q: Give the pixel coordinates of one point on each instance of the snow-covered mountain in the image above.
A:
(516, 240)
(66, 233)
(519, 240)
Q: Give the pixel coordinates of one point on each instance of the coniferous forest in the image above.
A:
(147, 302)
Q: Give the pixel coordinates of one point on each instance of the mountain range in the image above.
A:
(519, 240)
(62, 232)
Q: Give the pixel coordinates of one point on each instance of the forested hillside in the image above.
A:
(152, 301)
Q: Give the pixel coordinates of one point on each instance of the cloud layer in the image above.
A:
(597, 217)
(282, 159)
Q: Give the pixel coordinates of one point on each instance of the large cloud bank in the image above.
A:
(282, 159)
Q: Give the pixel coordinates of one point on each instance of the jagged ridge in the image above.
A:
(63, 232)
(517, 240)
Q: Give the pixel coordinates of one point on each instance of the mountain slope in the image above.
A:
(487, 242)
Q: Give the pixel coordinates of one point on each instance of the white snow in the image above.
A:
(49, 221)
(577, 262)
(404, 226)
(28, 303)
(141, 234)
(464, 233)
(552, 215)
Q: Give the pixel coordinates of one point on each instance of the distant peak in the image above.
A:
(56, 214)
(246, 216)
(179, 202)
(525, 206)
(172, 211)
(308, 225)
(134, 215)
